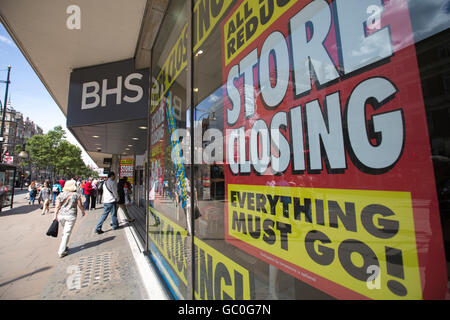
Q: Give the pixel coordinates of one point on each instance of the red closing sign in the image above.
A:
(329, 172)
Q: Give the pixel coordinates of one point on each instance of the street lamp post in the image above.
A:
(5, 103)
(23, 155)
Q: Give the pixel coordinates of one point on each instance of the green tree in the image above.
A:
(53, 152)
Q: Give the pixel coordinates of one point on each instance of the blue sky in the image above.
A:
(27, 93)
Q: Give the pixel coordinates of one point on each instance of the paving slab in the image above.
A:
(97, 267)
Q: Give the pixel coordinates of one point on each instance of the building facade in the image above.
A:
(17, 131)
(287, 149)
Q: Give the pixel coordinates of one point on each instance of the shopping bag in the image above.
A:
(197, 213)
(53, 230)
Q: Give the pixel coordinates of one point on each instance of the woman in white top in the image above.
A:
(45, 194)
(66, 213)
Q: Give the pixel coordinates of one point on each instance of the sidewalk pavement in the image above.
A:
(97, 266)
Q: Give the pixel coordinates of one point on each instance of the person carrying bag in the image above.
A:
(66, 213)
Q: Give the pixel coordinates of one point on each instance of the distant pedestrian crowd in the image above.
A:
(67, 196)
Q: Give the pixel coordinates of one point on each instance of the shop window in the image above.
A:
(169, 240)
(321, 150)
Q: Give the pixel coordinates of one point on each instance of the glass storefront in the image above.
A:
(301, 149)
(7, 178)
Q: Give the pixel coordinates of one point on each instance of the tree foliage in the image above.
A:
(51, 151)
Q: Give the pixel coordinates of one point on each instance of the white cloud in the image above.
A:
(6, 40)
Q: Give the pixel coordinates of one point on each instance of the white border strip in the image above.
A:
(154, 287)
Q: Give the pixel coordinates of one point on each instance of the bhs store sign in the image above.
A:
(107, 93)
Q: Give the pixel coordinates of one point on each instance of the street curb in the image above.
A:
(152, 284)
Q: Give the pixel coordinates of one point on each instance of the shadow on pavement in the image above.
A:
(20, 210)
(90, 245)
(25, 276)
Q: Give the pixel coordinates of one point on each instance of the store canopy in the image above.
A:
(110, 31)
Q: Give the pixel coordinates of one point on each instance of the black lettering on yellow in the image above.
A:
(221, 273)
(269, 236)
(348, 219)
(196, 279)
(195, 23)
(186, 245)
(260, 202)
(282, 3)
(172, 68)
(169, 250)
(240, 38)
(389, 228)
(216, 7)
(251, 201)
(350, 246)
(233, 195)
(273, 203)
(185, 44)
(204, 18)
(254, 226)
(179, 251)
(320, 216)
(239, 224)
(238, 285)
(231, 47)
(250, 27)
(324, 255)
(239, 20)
(247, 12)
(284, 229)
(266, 12)
(302, 209)
(231, 28)
(286, 201)
(161, 234)
(179, 55)
(241, 200)
(394, 267)
(206, 275)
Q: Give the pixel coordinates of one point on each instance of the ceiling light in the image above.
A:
(195, 89)
(143, 128)
(130, 145)
(135, 138)
(199, 52)
(95, 137)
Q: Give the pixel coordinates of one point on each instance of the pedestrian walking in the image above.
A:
(151, 198)
(38, 191)
(45, 194)
(87, 194)
(61, 183)
(128, 191)
(93, 194)
(110, 198)
(32, 191)
(56, 190)
(66, 213)
(100, 191)
(122, 192)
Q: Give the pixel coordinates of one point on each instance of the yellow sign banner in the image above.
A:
(248, 22)
(362, 240)
(127, 162)
(207, 13)
(216, 277)
(172, 242)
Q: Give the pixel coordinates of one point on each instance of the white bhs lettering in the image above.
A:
(91, 91)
